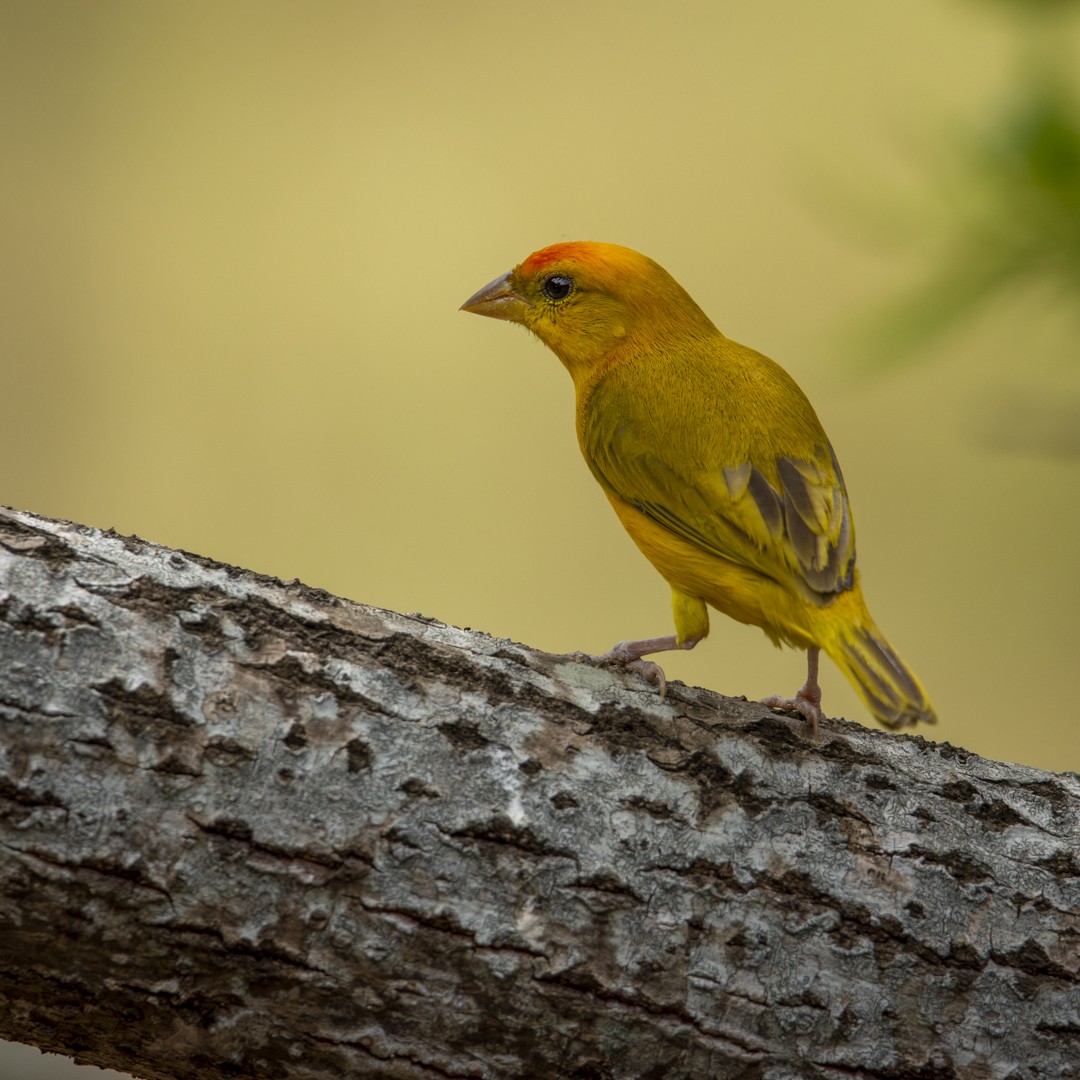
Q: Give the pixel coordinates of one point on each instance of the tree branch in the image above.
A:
(248, 829)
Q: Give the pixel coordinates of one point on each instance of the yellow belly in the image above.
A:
(738, 591)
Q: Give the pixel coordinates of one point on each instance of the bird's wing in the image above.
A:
(787, 518)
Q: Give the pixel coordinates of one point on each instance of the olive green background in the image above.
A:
(234, 237)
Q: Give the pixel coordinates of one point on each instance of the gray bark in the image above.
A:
(248, 829)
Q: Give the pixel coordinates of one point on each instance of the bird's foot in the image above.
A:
(650, 671)
(628, 654)
(806, 703)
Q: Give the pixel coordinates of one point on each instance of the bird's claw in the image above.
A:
(651, 672)
(619, 656)
(804, 706)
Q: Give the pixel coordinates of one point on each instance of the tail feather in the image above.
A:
(888, 686)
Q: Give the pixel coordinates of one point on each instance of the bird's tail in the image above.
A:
(888, 686)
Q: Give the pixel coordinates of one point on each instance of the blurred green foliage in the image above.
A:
(1010, 195)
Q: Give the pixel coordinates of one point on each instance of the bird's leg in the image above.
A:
(807, 702)
(629, 654)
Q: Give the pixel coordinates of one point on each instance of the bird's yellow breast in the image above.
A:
(736, 590)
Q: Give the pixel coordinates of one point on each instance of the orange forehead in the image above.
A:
(577, 251)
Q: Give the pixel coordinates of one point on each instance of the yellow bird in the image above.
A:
(715, 463)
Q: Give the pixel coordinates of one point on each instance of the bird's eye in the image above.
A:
(558, 287)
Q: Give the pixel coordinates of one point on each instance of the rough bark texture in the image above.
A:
(248, 829)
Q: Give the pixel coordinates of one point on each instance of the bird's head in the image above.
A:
(589, 301)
